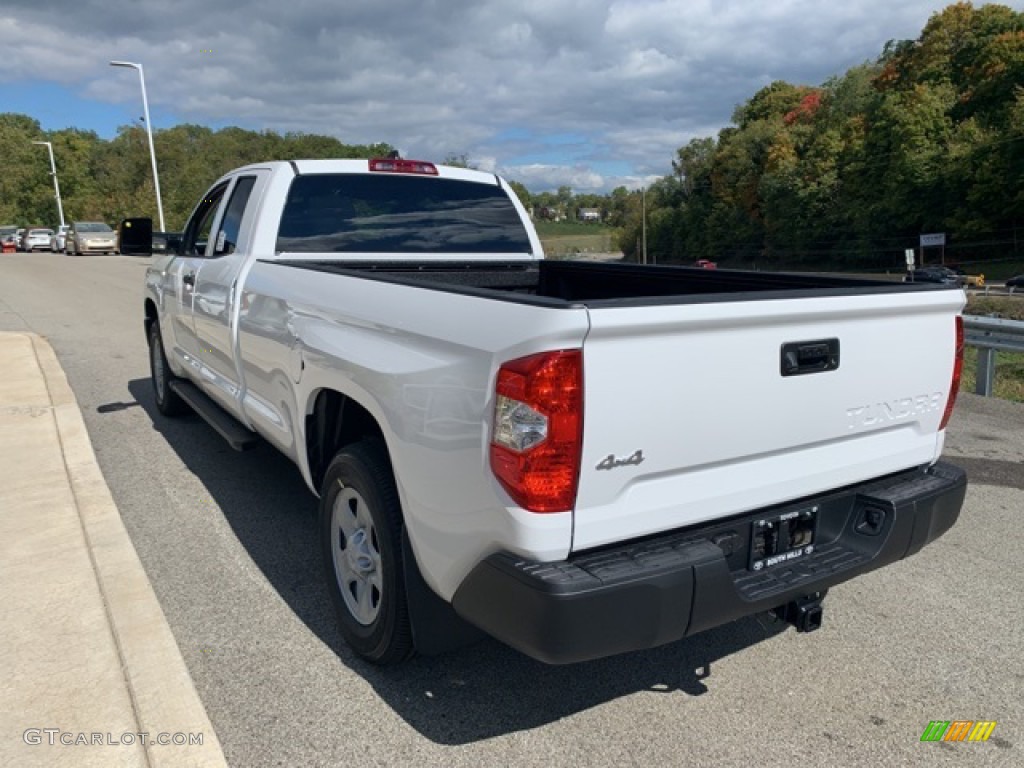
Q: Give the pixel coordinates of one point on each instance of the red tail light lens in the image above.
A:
(388, 165)
(958, 366)
(538, 429)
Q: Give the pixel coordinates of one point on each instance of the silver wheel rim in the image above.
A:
(355, 550)
(158, 370)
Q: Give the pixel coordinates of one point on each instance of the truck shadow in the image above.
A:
(464, 696)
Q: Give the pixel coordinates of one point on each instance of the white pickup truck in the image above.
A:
(577, 458)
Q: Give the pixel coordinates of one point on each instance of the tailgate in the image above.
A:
(689, 418)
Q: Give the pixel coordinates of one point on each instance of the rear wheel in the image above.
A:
(167, 400)
(361, 535)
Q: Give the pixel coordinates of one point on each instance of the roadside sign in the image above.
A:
(933, 240)
(909, 253)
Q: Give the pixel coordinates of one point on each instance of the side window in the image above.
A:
(230, 225)
(197, 232)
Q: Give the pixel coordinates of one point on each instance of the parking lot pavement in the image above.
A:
(89, 662)
(229, 540)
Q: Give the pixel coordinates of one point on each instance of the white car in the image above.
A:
(37, 240)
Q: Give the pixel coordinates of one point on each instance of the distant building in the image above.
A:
(551, 213)
(589, 214)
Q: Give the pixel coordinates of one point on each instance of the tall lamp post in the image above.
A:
(53, 172)
(643, 209)
(149, 133)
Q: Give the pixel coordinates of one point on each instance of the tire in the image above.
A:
(167, 401)
(361, 546)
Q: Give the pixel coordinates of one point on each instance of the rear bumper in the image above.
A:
(646, 593)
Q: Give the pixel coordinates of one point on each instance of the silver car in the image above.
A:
(90, 237)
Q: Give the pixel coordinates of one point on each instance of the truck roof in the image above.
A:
(363, 166)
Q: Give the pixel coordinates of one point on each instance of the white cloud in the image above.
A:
(629, 80)
(537, 176)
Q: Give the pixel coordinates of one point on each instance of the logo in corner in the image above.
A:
(958, 730)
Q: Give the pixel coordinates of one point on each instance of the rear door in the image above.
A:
(695, 412)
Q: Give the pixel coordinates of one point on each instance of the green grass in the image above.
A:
(567, 238)
(1009, 380)
(564, 228)
(1006, 307)
(558, 246)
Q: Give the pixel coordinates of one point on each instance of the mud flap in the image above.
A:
(436, 627)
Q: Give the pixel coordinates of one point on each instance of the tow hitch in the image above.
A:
(804, 613)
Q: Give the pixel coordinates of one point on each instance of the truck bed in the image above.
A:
(609, 284)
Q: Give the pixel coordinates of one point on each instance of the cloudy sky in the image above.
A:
(589, 93)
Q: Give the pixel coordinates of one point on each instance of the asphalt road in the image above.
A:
(228, 541)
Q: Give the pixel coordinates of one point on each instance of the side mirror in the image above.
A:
(136, 236)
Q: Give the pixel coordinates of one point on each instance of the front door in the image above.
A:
(218, 287)
(184, 275)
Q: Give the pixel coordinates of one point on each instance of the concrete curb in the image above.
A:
(163, 695)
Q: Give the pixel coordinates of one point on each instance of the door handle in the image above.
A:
(189, 278)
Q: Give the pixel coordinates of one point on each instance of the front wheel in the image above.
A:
(361, 535)
(167, 400)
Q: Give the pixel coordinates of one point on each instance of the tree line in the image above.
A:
(108, 180)
(928, 138)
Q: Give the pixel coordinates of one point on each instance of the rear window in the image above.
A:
(378, 213)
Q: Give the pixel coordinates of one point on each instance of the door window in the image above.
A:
(230, 226)
(197, 232)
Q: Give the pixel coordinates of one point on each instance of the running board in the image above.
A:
(238, 437)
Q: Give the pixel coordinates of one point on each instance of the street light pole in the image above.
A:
(643, 214)
(53, 172)
(149, 133)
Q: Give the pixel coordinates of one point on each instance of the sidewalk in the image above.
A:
(88, 662)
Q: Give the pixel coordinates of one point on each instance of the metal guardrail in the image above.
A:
(997, 290)
(990, 335)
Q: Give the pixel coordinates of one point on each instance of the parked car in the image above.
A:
(90, 237)
(706, 264)
(1015, 282)
(59, 239)
(8, 239)
(934, 274)
(37, 239)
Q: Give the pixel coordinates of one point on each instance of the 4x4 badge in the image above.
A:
(610, 462)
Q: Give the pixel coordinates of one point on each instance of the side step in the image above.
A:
(238, 437)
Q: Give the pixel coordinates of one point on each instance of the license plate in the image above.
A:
(782, 538)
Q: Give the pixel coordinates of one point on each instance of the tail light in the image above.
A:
(538, 429)
(958, 366)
